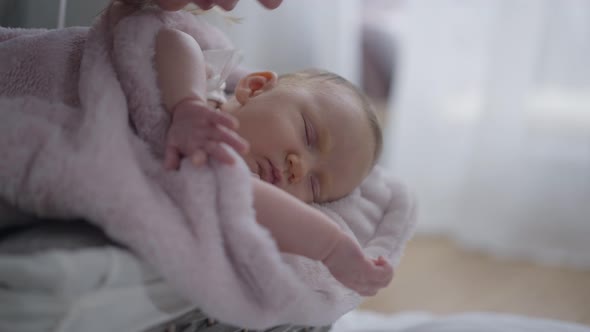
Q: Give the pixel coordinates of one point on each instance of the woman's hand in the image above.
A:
(207, 4)
(353, 269)
(198, 131)
(118, 9)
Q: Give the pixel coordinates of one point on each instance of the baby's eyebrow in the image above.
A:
(324, 138)
(324, 146)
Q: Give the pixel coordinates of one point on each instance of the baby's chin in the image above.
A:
(252, 166)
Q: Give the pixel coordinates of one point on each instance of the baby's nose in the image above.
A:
(296, 168)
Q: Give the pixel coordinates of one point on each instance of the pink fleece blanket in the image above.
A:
(67, 151)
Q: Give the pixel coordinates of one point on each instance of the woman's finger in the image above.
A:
(270, 4)
(225, 4)
(117, 10)
(204, 4)
(172, 5)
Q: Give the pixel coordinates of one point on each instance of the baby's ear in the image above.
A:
(254, 84)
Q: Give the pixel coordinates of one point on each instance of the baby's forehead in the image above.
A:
(340, 103)
(351, 145)
(329, 93)
(342, 112)
(334, 103)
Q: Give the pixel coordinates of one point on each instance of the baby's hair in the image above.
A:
(317, 75)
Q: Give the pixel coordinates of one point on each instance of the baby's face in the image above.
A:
(318, 146)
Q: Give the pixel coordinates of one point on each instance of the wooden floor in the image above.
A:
(438, 277)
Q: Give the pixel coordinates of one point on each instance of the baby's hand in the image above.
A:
(197, 132)
(353, 269)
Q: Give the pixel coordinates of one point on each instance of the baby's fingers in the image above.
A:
(231, 138)
(199, 158)
(381, 275)
(370, 288)
(220, 153)
(222, 119)
(171, 158)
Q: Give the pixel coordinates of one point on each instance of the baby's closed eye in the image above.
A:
(310, 133)
(314, 188)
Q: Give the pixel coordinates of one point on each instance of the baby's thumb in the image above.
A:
(199, 158)
(171, 158)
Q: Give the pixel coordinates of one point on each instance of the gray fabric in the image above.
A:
(41, 235)
(22, 233)
(196, 321)
(35, 235)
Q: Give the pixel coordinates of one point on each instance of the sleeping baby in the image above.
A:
(111, 124)
(307, 137)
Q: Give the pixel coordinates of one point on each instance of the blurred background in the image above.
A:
(486, 110)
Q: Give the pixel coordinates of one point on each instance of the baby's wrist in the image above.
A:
(188, 104)
(338, 240)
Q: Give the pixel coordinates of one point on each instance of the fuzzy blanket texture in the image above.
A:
(67, 98)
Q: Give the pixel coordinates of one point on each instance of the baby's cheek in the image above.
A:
(298, 191)
(251, 165)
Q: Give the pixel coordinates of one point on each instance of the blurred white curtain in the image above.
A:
(490, 124)
(297, 35)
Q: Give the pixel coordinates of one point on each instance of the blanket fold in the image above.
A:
(68, 152)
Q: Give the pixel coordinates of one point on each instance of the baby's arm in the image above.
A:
(196, 129)
(302, 230)
(296, 227)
